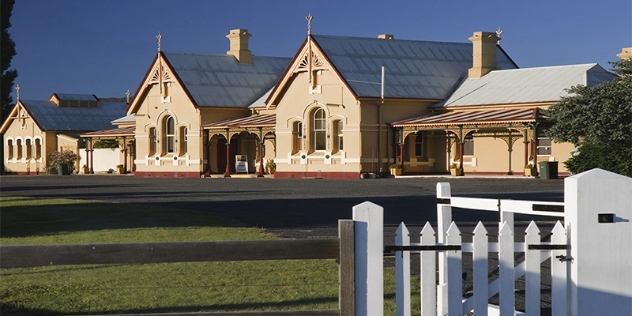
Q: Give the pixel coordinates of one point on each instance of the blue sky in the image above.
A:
(105, 47)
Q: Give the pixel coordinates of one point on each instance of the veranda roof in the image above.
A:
(262, 120)
(507, 116)
(127, 131)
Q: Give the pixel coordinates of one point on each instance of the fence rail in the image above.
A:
(142, 253)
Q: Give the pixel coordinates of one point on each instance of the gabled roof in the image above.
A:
(413, 69)
(213, 80)
(50, 117)
(527, 85)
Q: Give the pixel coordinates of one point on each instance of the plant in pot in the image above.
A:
(120, 169)
(61, 162)
(529, 170)
(271, 166)
(396, 169)
(455, 169)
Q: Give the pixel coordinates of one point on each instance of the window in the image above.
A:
(183, 140)
(338, 132)
(10, 149)
(28, 149)
(319, 139)
(419, 144)
(152, 141)
(468, 145)
(170, 135)
(297, 137)
(38, 148)
(544, 146)
(19, 148)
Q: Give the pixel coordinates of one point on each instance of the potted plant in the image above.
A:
(396, 169)
(121, 169)
(529, 170)
(455, 169)
(84, 169)
(271, 166)
(61, 162)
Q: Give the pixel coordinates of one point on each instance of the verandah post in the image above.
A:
(369, 257)
(598, 216)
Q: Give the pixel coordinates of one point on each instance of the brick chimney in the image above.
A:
(483, 53)
(239, 45)
(626, 53)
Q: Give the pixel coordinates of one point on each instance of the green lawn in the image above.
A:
(152, 288)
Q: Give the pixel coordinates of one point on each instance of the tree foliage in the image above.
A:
(7, 51)
(598, 120)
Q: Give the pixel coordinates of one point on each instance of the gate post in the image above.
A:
(444, 219)
(369, 257)
(598, 214)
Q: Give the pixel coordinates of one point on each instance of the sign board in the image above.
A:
(241, 163)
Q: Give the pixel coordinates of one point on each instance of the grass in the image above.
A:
(154, 288)
(173, 287)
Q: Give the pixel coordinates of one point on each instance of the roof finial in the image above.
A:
(309, 18)
(159, 38)
(498, 32)
(127, 96)
(17, 93)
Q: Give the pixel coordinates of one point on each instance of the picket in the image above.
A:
(506, 270)
(402, 272)
(480, 269)
(428, 275)
(532, 271)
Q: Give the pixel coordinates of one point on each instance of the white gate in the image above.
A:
(597, 213)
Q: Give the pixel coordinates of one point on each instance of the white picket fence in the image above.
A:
(597, 212)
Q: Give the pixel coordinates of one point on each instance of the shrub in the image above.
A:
(65, 157)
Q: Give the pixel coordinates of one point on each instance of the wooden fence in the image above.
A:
(340, 248)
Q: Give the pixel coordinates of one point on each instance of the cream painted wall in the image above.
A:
(24, 130)
(153, 110)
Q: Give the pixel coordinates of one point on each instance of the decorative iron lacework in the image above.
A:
(304, 64)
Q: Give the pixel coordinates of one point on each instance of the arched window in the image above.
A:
(169, 131)
(152, 141)
(38, 148)
(338, 144)
(182, 138)
(297, 137)
(29, 147)
(319, 129)
(19, 148)
(10, 148)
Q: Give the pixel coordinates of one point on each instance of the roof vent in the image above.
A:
(239, 45)
(386, 36)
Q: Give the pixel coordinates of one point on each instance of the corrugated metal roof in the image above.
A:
(413, 69)
(220, 81)
(473, 117)
(125, 119)
(527, 85)
(127, 131)
(50, 117)
(261, 120)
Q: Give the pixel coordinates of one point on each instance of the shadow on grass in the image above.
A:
(32, 220)
(24, 221)
(9, 309)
